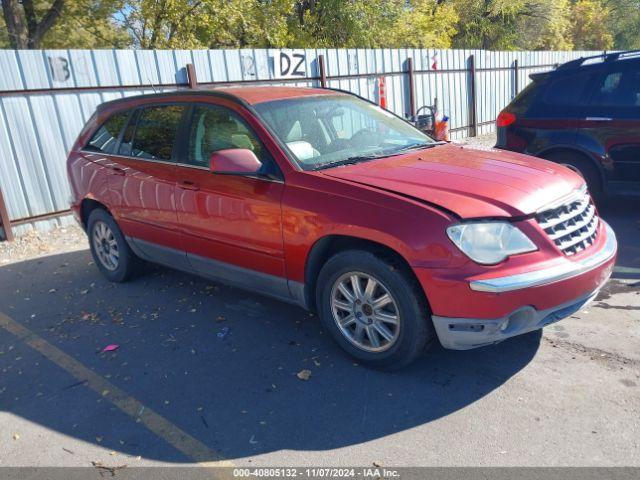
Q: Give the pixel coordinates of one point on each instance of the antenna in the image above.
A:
(152, 86)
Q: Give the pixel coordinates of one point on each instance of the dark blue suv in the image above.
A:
(585, 115)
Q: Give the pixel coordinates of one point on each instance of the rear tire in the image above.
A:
(583, 167)
(110, 251)
(362, 321)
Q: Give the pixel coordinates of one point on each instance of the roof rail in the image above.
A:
(606, 57)
(623, 53)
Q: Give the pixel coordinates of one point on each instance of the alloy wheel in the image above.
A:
(105, 246)
(365, 312)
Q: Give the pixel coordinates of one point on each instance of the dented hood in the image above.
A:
(469, 181)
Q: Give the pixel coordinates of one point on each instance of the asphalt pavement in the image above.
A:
(199, 373)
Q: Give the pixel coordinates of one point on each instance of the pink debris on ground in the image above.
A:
(110, 348)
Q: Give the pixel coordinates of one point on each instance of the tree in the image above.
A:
(545, 26)
(206, 23)
(513, 24)
(624, 17)
(487, 24)
(88, 24)
(424, 24)
(590, 29)
(78, 24)
(342, 24)
(24, 29)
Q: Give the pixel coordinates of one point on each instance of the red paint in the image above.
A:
(403, 202)
(255, 95)
(234, 161)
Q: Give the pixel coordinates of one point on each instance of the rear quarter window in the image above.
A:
(105, 138)
(567, 90)
(155, 133)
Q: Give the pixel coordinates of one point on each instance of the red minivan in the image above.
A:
(323, 199)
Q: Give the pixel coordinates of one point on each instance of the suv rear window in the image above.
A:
(524, 99)
(106, 137)
(567, 90)
(155, 133)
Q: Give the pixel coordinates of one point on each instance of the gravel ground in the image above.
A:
(488, 140)
(36, 244)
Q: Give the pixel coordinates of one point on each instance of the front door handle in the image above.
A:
(187, 185)
(117, 171)
(598, 119)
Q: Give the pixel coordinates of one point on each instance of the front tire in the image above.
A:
(374, 309)
(110, 251)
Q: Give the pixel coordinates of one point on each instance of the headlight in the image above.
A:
(489, 242)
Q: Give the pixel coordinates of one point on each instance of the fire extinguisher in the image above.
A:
(382, 93)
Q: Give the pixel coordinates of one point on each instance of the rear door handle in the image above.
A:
(187, 185)
(598, 119)
(117, 171)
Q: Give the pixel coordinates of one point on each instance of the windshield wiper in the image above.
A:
(363, 158)
(348, 161)
(416, 146)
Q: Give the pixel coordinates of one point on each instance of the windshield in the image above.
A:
(325, 131)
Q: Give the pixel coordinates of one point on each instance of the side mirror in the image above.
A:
(238, 161)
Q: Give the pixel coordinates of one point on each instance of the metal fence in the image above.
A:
(46, 96)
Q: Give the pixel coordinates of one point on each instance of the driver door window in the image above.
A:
(228, 220)
(215, 128)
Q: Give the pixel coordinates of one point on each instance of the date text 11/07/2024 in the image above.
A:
(322, 472)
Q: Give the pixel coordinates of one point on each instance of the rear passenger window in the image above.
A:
(106, 137)
(155, 133)
(567, 90)
(618, 89)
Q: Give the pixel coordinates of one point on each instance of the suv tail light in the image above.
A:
(505, 119)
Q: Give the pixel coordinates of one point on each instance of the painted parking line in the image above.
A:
(156, 423)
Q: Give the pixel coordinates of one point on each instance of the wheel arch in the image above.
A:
(574, 150)
(324, 248)
(87, 206)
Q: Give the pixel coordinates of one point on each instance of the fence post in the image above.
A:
(191, 75)
(473, 111)
(516, 76)
(4, 219)
(412, 99)
(322, 71)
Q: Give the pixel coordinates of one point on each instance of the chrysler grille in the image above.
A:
(572, 226)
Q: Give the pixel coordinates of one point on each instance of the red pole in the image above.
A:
(323, 72)
(191, 75)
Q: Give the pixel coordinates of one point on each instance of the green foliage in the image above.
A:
(424, 24)
(513, 24)
(624, 22)
(75, 24)
(88, 24)
(338, 23)
(488, 24)
(590, 28)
